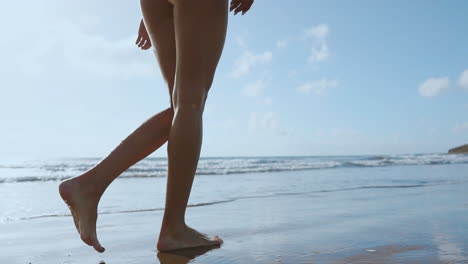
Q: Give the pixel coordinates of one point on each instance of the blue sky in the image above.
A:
(306, 78)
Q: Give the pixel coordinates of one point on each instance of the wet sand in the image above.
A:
(427, 224)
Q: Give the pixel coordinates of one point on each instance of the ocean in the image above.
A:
(328, 209)
(29, 188)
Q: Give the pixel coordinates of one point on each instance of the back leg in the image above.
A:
(83, 193)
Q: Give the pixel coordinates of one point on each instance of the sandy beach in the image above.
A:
(338, 223)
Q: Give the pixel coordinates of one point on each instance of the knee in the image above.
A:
(194, 102)
(193, 106)
(191, 90)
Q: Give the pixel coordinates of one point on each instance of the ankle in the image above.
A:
(89, 185)
(172, 227)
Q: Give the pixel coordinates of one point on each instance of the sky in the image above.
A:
(303, 78)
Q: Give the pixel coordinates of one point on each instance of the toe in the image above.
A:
(97, 246)
(86, 239)
(217, 238)
(92, 241)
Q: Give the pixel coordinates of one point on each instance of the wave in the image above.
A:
(60, 178)
(422, 184)
(157, 167)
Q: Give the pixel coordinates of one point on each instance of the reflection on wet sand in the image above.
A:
(183, 256)
(449, 250)
(382, 254)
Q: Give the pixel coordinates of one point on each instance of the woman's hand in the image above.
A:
(143, 41)
(240, 5)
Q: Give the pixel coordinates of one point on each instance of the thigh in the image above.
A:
(200, 32)
(159, 22)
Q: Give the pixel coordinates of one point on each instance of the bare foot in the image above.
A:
(185, 237)
(83, 207)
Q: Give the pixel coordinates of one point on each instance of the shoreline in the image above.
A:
(358, 226)
(396, 214)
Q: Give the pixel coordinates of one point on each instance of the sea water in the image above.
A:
(29, 188)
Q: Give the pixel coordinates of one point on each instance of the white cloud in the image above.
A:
(281, 43)
(319, 87)
(72, 47)
(463, 80)
(460, 127)
(241, 42)
(266, 123)
(97, 55)
(259, 121)
(247, 60)
(320, 53)
(433, 86)
(255, 88)
(318, 34)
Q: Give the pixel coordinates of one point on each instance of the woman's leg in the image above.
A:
(200, 30)
(83, 193)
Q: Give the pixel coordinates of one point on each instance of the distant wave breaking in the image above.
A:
(47, 170)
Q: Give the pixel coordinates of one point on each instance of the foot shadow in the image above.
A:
(183, 256)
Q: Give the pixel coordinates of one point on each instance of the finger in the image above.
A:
(219, 239)
(241, 7)
(234, 4)
(234, 7)
(141, 43)
(147, 45)
(138, 39)
(247, 8)
(238, 10)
